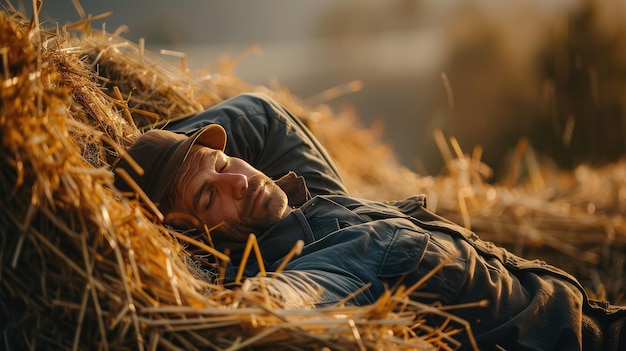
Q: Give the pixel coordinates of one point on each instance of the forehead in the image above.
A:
(202, 151)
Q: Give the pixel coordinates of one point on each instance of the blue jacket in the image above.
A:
(350, 243)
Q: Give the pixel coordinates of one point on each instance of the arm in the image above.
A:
(270, 138)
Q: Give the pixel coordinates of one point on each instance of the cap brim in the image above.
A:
(213, 136)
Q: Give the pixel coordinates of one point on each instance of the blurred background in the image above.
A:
(486, 72)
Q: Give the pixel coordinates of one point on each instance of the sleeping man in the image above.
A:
(248, 165)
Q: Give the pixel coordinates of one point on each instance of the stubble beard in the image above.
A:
(272, 209)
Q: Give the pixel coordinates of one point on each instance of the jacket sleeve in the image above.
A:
(270, 138)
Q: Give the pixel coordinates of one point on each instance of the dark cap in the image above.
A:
(160, 154)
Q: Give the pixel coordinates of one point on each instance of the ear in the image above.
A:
(182, 220)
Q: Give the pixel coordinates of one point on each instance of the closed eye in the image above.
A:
(221, 164)
(224, 166)
(210, 200)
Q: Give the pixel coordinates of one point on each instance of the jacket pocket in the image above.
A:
(404, 253)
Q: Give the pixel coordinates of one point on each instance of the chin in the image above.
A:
(279, 208)
(286, 210)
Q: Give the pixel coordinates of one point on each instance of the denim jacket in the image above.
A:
(350, 243)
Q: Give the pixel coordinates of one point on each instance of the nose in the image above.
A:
(235, 183)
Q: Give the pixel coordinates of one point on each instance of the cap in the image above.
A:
(160, 153)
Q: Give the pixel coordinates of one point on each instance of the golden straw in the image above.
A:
(295, 250)
(127, 178)
(200, 244)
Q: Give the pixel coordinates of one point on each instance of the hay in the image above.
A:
(82, 267)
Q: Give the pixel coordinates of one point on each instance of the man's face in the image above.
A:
(214, 187)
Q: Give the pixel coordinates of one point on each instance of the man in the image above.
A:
(273, 179)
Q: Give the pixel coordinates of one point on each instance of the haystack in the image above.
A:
(84, 267)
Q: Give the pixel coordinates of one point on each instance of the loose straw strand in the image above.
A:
(127, 178)
(250, 245)
(295, 250)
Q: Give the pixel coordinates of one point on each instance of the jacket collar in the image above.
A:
(295, 187)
